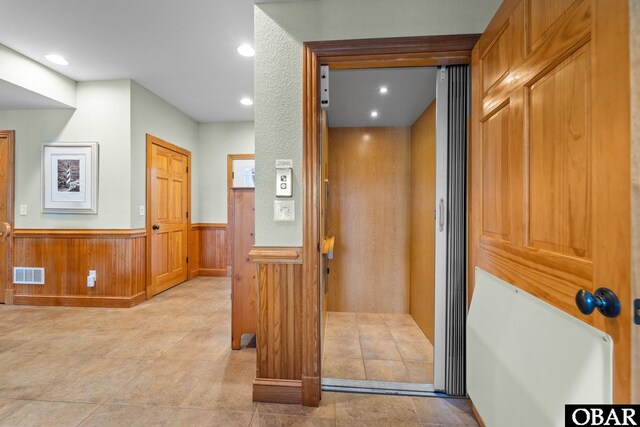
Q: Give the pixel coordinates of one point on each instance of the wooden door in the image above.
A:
(168, 214)
(244, 293)
(550, 209)
(6, 214)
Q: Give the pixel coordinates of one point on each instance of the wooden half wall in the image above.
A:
(279, 331)
(209, 248)
(118, 256)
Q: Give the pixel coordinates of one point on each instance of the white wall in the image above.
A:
(102, 115)
(280, 30)
(153, 115)
(215, 142)
(27, 73)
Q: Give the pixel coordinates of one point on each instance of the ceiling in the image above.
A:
(353, 94)
(185, 55)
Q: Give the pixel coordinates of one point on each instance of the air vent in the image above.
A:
(28, 276)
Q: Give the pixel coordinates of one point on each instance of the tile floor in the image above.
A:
(379, 347)
(166, 362)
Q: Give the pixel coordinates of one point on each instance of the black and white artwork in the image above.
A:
(70, 177)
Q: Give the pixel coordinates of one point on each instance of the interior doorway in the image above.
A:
(168, 222)
(379, 171)
(6, 214)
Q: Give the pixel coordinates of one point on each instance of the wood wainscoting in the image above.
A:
(118, 256)
(209, 248)
(279, 329)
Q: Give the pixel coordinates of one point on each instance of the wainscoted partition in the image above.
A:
(279, 331)
(209, 248)
(118, 256)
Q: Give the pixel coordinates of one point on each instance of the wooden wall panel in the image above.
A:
(423, 184)
(564, 108)
(543, 13)
(560, 159)
(370, 187)
(496, 209)
(210, 244)
(279, 325)
(67, 256)
(278, 350)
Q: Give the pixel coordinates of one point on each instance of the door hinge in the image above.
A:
(318, 246)
(187, 214)
(187, 169)
(233, 175)
(636, 311)
(187, 260)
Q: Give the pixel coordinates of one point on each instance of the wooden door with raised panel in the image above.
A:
(550, 208)
(168, 221)
(6, 213)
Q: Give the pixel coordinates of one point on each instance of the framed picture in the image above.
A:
(70, 177)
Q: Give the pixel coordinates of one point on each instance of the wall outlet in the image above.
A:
(91, 281)
(23, 210)
(141, 210)
(284, 210)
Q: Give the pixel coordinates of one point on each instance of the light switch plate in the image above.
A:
(23, 210)
(284, 210)
(141, 210)
(283, 182)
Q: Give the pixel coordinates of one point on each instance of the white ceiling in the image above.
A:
(353, 94)
(184, 54)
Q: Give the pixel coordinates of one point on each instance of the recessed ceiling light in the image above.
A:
(57, 59)
(246, 101)
(246, 50)
(374, 113)
(383, 89)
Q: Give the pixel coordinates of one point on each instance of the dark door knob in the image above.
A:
(155, 227)
(603, 299)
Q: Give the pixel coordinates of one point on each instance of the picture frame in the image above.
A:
(70, 177)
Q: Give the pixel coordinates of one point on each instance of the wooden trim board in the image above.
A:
(274, 255)
(80, 300)
(277, 391)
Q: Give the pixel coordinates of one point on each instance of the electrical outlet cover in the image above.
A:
(284, 210)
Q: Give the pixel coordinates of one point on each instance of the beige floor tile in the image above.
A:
(327, 408)
(386, 370)
(396, 409)
(415, 351)
(145, 345)
(9, 406)
(408, 333)
(218, 396)
(130, 416)
(201, 417)
(370, 319)
(350, 369)
(343, 348)
(268, 420)
(342, 331)
(374, 349)
(98, 382)
(378, 332)
(32, 374)
(420, 372)
(444, 411)
(50, 414)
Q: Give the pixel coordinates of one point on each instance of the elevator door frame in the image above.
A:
(425, 51)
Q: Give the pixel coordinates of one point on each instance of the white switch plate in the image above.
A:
(283, 183)
(141, 210)
(284, 210)
(23, 209)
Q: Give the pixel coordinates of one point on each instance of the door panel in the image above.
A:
(244, 292)
(6, 213)
(550, 157)
(168, 208)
